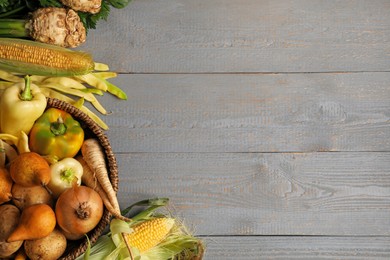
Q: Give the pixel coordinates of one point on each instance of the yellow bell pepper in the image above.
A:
(20, 105)
(56, 134)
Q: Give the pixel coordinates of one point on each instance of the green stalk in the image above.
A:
(58, 127)
(26, 94)
(13, 28)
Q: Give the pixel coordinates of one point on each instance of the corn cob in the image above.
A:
(148, 234)
(35, 58)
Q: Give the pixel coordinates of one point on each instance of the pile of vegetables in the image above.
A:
(56, 72)
(50, 194)
(59, 22)
(54, 180)
(54, 188)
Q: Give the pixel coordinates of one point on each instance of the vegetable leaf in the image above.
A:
(4, 3)
(102, 248)
(88, 251)
(50, 3)
(119, 3)
(10, 6)
(90, 20)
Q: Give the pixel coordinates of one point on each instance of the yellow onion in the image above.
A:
(78, 210)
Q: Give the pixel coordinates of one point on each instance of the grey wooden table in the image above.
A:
(267, 123)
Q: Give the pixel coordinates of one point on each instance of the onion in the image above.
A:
(78, 210)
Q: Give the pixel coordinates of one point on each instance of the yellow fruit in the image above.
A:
(30, 169)
(5, 186)
(36, 221)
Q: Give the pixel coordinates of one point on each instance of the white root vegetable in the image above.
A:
(89, 179)
(68, 32)
(93, 155)
(88, 6)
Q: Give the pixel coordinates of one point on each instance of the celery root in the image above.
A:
(88, 6)
(53, 25)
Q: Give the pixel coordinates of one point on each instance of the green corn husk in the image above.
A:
(179, 244)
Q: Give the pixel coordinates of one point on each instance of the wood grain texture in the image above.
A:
(284, 248)
(225, 194)
(251, 113)
(186, 36)
(266, 123)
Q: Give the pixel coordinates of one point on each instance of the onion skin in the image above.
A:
(78, 211)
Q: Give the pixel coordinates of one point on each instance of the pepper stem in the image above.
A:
(68, 175)
(26, 94)
(58, 127)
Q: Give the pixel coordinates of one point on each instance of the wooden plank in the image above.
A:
(225, 248)
(339, 193)
(251, 113)
(187, 36)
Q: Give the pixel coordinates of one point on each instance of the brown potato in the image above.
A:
(50, 247)
(9, 218)
(23, 197)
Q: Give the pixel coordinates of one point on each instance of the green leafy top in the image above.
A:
(21, 8)
(8, 7)
(50, 3)
(90, 20)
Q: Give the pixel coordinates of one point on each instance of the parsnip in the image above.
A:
(93, 155)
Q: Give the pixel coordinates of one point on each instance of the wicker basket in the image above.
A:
(92, 130)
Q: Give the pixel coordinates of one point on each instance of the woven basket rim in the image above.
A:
(99, 133)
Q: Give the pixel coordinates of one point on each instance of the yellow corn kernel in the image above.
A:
(150, 233)
(35, 58)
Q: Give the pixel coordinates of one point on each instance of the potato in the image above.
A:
(26, 196)
(48, 248)
(9, 218)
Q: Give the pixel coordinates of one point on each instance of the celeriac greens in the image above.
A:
(18, 9)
